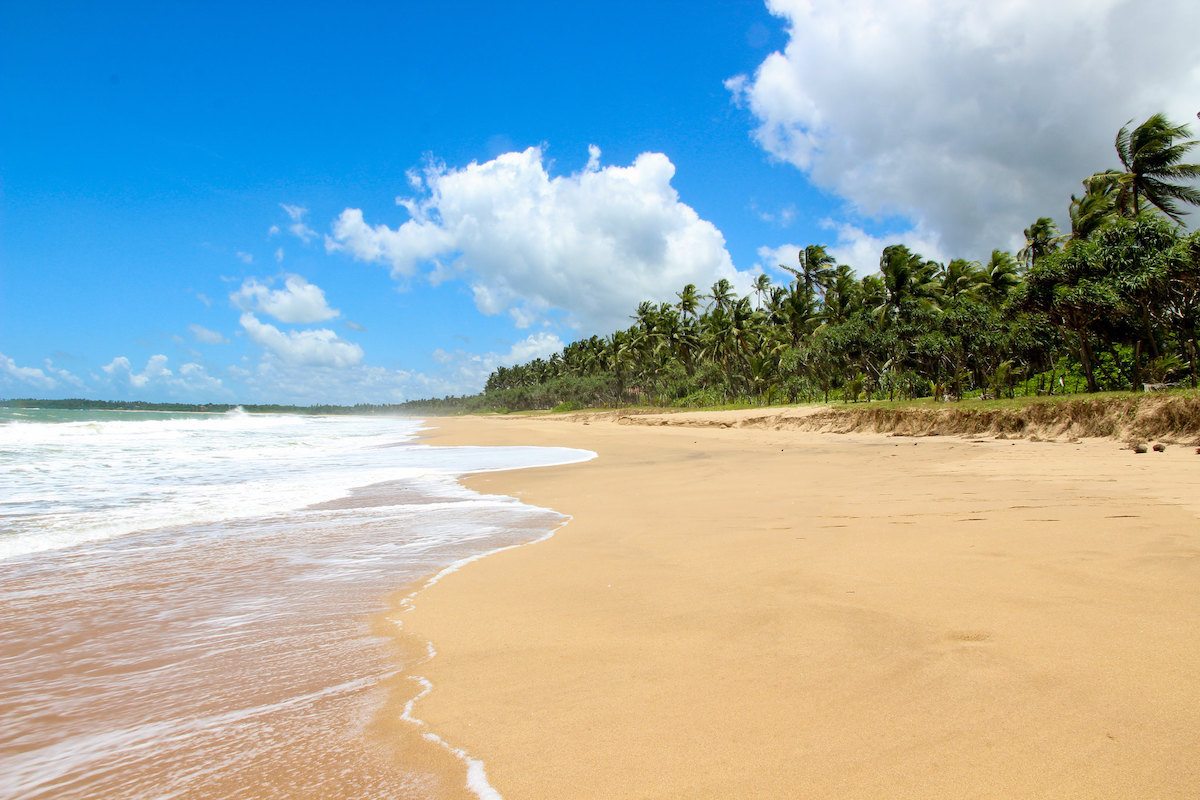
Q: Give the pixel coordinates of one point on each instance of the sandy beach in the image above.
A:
(749, 612)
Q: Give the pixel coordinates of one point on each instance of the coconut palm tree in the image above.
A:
(762, 287)
(1041, 239)
(841, 296)
(722, 294)
(1000, 276)
(907, 278)
(959, 277)
(816, 268)
(1102, 200)
(1152, 156)
(689, 301)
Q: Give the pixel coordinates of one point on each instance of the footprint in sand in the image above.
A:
(969, 636)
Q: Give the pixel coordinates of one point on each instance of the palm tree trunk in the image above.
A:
(1191, 351)
(1085, 357)
(1135, 369)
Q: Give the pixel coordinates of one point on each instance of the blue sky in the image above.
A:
(199, 200)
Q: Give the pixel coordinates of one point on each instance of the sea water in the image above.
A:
(185, 599)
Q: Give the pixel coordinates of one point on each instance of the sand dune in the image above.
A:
(751, 612)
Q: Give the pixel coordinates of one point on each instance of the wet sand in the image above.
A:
(777, 614)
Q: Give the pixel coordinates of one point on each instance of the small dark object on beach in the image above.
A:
(1139, 448)
(1160, 448)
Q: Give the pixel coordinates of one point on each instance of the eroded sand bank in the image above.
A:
(762, 613)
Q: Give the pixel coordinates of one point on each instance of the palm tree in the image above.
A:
(816, 268)
(907, 279)
(1102, 200)
(689, 301)
(722, 294)
(1041, 238)
(840, 296)
(960, 277)
(762, 287)
(1000, 276)
(796, 312)
(1153, 170)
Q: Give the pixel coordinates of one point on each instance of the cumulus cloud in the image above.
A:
(191, 380)
(11, 374)
(121, 370)
(194, 377)
(61, 376)
(466, 372)
(206, 335)
(968, 119)
(297, 302)
(320, 347)
(594, 243)
(298, 227)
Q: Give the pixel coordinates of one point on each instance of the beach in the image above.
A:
(751, 612)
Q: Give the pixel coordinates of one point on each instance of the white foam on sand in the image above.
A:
(477, 780)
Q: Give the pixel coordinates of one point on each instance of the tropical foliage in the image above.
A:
(1112, 304)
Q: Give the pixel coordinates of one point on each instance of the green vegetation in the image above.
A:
(1111, 306)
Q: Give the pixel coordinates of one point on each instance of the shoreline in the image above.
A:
(746, 612)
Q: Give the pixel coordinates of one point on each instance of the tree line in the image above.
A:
(1113, 303)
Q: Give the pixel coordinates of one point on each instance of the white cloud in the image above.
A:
(206, 335)
(11, 375)
(297, 302)
(320, 347)
(298, 228)
(273, 231)
(536, 345)
(62, 376)
(191, 383)
(466, 373)
(273, 380)
(244, 257)
(413, 242)
(279, 255)
(156, 369)
(594, 243)
(194, 377)
(969, 119)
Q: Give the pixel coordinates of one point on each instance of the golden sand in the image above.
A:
(757, 613)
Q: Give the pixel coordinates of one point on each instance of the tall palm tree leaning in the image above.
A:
(1152, 156)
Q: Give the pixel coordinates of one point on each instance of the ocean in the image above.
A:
(186, 600)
